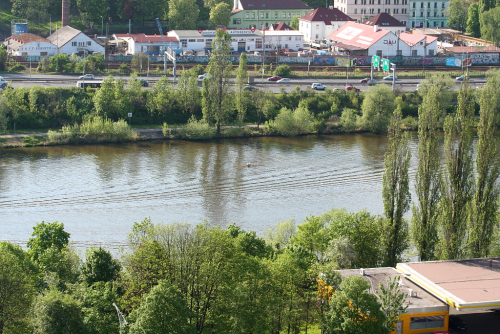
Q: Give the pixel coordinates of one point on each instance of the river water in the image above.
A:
(99, 191)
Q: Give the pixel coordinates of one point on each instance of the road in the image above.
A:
(59, 80)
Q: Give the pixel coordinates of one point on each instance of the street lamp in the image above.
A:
(121, 318)
(102, 26)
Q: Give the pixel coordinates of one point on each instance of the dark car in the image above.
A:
(250, 88)
(349, 88)
(365, 80)
(456, 323)
(144, 82)
(274, 78)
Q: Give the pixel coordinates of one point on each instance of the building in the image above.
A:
(321, 22)
(279, 26)
(360, 10)
(263, 13)
(150, 45)
(425, 313)
(420, 44)
(363, 40)
(70, 40)
(386, 22)
(480, 55)
(428, 14)
(26, 44)
(283, 39)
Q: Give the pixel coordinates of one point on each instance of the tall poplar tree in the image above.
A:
(458, 179)
(242, 96)
(485, 205)
(216, 94)
(395, 192)
(424, 227)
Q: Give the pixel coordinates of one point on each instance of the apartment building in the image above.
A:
(428, 14)
(361, 10)
(321, 22)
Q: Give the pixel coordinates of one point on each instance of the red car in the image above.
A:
(274, 78)
(348, 88)
(365, 80)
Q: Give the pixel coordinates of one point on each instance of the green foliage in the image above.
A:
(457, 14)
(197, 70)
(445, 87)
(163, 310)
(292, 123)
(353, 310)
(280, 235)
(473, 22)
(197, 130)
(99, 266)
(377, 108)
(490, 21)
(188, 93)
(3, 58)
(44, 65)
(294, 23)
(220, 14)
(348, 120)
(46, 236)
(92, 64)
(139, 62)
(282, 71)
(111, 100)
(183, 14)
(392, 301)
(396, 190)
(60, 63)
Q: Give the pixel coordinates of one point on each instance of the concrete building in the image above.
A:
(151, 45)
(363, 40)
(258, 13)
(27, 44)
(70, 40)
(425, 313)
(428, 14)
(283, 39)
(321, 22)
(420, 44)
(386, 22)
(360, 10)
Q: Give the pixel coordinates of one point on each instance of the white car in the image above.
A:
(318, 86)
(284, 80)
(87, 77)
(203, 76)
(389, 77)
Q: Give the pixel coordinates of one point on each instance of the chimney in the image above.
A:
(375, 28)
(65, 13)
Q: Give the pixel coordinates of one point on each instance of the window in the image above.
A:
(355, 2)
(89, 43)
(200, 40)
(379, 53)
(317, 36)
(284, 15)
(43, 54)
(261, 15)
(387, 2)
(248, 15)
(192, 40)
(275, 15)
(258, 43)
(236, 21)
(396, 2)
(426, 322)
(81, 43)
(435, 5)
(421, 5)
(414, 54)
(395, 11)
(355, 11)
(184, 43)
(25, 54)
(379, 1)
(73, 43)
(414, 5)
(253, 15)
(267, 15)
(289, 15)
(378, 12)
(399, 52)
(372, 10)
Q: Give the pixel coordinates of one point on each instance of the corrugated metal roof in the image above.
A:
(326, 15)
(63, 35)
(143, 38)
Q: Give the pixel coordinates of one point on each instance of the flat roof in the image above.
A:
(462, 284)
(420, 302)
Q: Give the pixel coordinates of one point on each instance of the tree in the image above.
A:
(392, 302)
(111, 101)
(280, 234)
(220, 15)
(490, 25)
(457, 14)
(485, 203)
(163, 310)
(139, 62)
(45, 236)
(3, 58)
(294, 23)
(427, 181)
(93, 10)
(213, 3)
(376, 109)
(216, 96)
(16, 287)
(242, 97)
(473, 23)
(445, 89)
(99, 315)
(99, 266)
(189, 96)
(396, 193)
(183, 14)
(161, 99)
(57, 312)
(353, 310)
(458, 182)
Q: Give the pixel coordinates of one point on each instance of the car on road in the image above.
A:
(274, 78)
(318, 86)
(461, 78)
(284, 80)
(456, 323)
(349, 88)
(365, 80)
(87, 77)
(389, 77)
(143, 82)
(203, 76)
(250, 88)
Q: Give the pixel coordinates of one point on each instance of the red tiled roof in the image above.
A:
(415, 38)
(143, 38)
(383, 20)
(27, 38)
(272, 4)
(326, 15)
(473, 49)
(358, 34)
(279, 26)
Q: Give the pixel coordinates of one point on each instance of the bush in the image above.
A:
(348, 121)
(282, 70)
(195, 129)
(123, 68)
(292, 123)
(17, 68)
(198, 70)
(44, 65)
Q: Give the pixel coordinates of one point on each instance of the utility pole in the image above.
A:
(263, 50)
(121, 318)
(393, 76)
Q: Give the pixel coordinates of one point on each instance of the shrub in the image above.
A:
(282, 70)
(195, 129)
(198, 70)
(348, 121)
(44, 65)
(123, 68)
(292, 123)
(17, 68)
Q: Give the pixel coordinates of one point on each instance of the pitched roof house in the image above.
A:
(26, 44)
(321, 22)
(70, 40)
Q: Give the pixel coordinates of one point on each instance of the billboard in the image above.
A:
(458, 62)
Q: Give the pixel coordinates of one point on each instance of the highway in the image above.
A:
(61, 80)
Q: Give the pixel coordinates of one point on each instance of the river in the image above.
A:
(99, 191)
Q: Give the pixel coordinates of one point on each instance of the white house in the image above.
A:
(27, 44)
(363, 9)
(151, 45)
(386, 22)
(363, 40)
(321, 22)
(70, 40)
(283, 39)
(420, 44)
